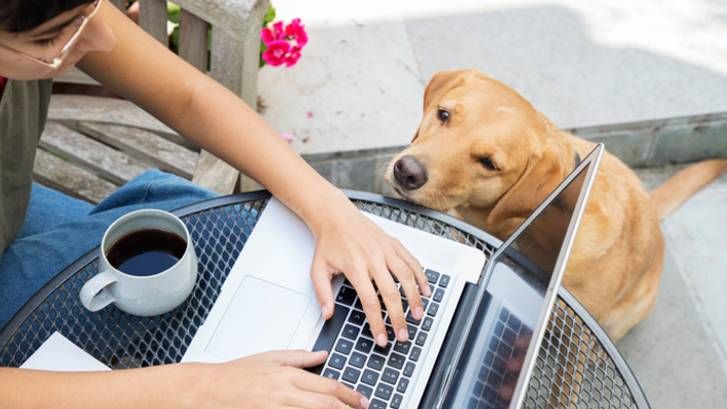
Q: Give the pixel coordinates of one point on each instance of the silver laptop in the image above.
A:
(268, 302)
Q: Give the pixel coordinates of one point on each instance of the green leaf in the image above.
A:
(269, 15)
(173, 12)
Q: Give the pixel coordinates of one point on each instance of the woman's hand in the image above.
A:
(348, 242)
(270, 380)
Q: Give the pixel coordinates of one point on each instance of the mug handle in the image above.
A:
(94, 295)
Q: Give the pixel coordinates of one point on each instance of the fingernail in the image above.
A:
(364, 402)
(381, 340)
(418, 313)
(403, 334)
(427, 291)
(325, 310)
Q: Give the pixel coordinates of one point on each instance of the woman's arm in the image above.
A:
(270, 380)
(145, 72)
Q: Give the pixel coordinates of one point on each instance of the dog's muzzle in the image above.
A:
(409, 173)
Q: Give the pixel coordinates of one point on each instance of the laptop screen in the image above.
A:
(511, 311)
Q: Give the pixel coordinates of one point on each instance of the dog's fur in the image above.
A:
(618, 253)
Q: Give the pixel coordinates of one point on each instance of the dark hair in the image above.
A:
(22, 15)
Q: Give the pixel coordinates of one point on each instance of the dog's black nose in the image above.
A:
(409, 173)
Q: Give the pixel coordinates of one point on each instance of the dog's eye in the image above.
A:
(488, 163)
(443, 115)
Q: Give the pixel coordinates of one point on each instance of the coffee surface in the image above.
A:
(146, 252)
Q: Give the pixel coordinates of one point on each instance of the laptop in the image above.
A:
(268, 302)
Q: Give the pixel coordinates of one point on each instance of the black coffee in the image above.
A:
(146, 252)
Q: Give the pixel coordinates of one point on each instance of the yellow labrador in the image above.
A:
(483, 152)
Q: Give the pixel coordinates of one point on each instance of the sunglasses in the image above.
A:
(57, 61)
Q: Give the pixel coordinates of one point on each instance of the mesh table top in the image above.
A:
(577, 366)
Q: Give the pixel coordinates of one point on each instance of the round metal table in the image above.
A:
(577, 367)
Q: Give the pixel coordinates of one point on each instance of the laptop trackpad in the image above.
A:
(261, 317)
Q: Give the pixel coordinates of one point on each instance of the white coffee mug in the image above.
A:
(135, 294)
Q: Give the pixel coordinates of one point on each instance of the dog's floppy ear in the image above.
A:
(438, 84)
(542, 174)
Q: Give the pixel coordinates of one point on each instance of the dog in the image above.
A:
(485, 154)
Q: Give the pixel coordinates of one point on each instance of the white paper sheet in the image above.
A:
(59, 354)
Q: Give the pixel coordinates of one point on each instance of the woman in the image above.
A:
(40, 39)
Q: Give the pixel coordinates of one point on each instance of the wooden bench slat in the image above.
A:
(81, 150)
(145, 146)
(153, 19)
(72, 109)
(215, 174)
(58, 174)
(193, 40)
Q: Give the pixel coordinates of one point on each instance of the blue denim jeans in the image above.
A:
(59, 229)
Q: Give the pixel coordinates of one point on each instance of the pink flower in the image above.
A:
(283, 43)
(293, 56)
(296, 31)
(276, 53)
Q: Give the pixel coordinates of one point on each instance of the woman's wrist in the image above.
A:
(321, 207)
(188, 386)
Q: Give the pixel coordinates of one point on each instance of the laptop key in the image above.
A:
(383, 391)
(408, 369)
(383, 351)
(412, 331)
(415, 352)
(369, 377)
(390, 376)
(444, 281)
(411, 320)
(376, 361)
(390, 333)
(433, 309)
(364, 390)
(337, 361)
(344, 346)
(421, 338)
(366, 330)
(348, 385)
(377, 404)
(357, 360)
(402, 347)
(403, 384)
(427, 323)
(364, 345)
(357, 317)
(432, 276)
(438, 295)
(350, 332)
(396, 360)
(346, 295)
(396, 401)
(329, 332)
(351, 374)
(332, 374)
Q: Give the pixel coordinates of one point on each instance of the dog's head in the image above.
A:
(479, 144)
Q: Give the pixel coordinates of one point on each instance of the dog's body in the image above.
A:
(484, 152)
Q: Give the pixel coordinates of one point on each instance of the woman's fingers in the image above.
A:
(409, 286)
(296, 358)
(370, 302)
(392, 298)
(322, 284)
(327, 388)
(416, 268)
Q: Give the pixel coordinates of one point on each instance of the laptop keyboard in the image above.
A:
(381, 374)
(493, 375)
